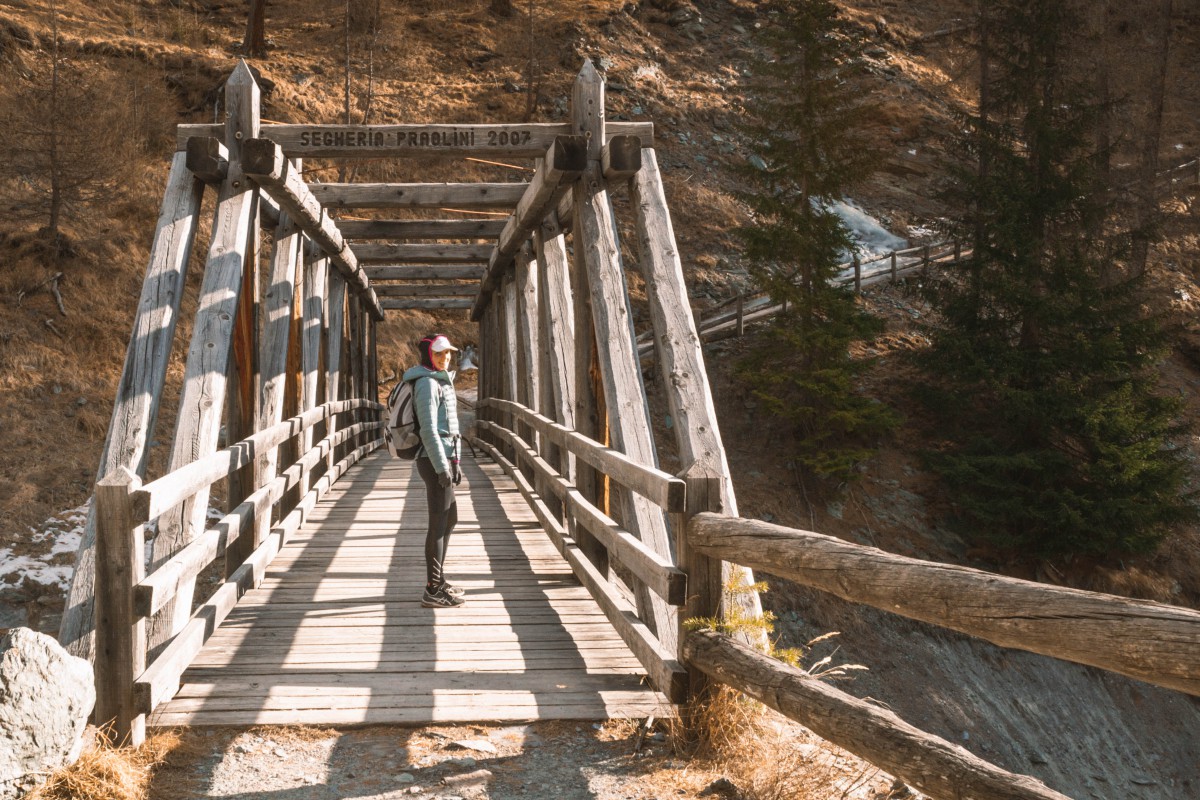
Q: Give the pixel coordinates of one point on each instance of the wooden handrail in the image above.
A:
(663, 488)
(937, 767)
(163, 494)
(664, 670)
(160, 680)
(658, 573)
(1156, 643)
(157, 588)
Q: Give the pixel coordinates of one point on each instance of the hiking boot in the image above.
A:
(440, 598)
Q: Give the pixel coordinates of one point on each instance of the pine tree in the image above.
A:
(808, 112)
(1057, 440)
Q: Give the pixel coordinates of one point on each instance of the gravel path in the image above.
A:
(542, 761)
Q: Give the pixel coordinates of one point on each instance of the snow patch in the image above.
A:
(871, 238)
(48, 556)
(58, 536)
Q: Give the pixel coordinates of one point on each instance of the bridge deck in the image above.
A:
(336, 633)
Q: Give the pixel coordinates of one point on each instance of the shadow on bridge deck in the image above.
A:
(336, 634)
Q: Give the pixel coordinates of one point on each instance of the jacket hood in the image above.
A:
(422, 371)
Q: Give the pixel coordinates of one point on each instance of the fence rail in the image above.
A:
(130, 688)
(729, 317)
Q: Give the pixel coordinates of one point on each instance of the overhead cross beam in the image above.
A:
(464, 196)
(426, 272)
(487, 140)
(423, 253)
(421, 228)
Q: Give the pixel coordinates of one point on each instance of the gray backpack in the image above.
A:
(402, 431)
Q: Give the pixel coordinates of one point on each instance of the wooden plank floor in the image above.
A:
(336, 633)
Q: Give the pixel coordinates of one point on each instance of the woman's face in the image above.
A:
(440, 360)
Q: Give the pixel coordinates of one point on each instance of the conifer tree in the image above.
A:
(1057, 439)
(807, 112)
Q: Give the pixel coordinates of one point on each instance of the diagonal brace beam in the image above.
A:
(565, 161)
(263, 162)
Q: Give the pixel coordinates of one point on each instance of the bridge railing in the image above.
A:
(128, 688)
(1148, 641)
(626, 553)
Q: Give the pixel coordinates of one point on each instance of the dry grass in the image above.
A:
(767, 757)
(106, 772)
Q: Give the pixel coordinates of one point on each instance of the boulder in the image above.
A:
(46, 695)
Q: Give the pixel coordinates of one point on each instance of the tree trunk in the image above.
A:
(1147, 200)
(255, 43)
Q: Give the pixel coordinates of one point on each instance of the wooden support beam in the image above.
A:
(428, 290)
(527, 344)
(202, 400)
(427, 303)
(335, 330)
(423, 253)
(120, 633)
(208, 158)
(264, 162)
(425, 272)
(685, 383)
(464, 196)
(1149, 641)
(508, 295)
(135, 409)
(565, 160)
(565, 212)
(240, 402)
(527, 140)
(942, 770)
(625, 399)
(310, 355)
(421, 228)
(556, 340)
(274, 346)
(621, 158)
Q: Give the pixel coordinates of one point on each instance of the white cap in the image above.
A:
(441, 344)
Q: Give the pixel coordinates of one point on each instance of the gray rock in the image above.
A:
(46, 695)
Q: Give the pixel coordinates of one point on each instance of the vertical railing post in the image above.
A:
(741, 316)
(957, 251)
(893, 266)
(857, 274)
(120, 633)
(704, 589)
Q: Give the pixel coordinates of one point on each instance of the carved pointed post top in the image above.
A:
(587, 108)
(242, 108)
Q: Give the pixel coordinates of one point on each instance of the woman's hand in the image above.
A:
(444, 480)
(456, 472)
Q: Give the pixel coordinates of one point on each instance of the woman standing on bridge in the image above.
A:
(437, 461)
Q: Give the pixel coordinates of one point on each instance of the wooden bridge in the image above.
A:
(580, 557)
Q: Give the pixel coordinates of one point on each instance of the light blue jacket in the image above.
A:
(436, 407)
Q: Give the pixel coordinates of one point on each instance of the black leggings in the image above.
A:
(443, 516)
